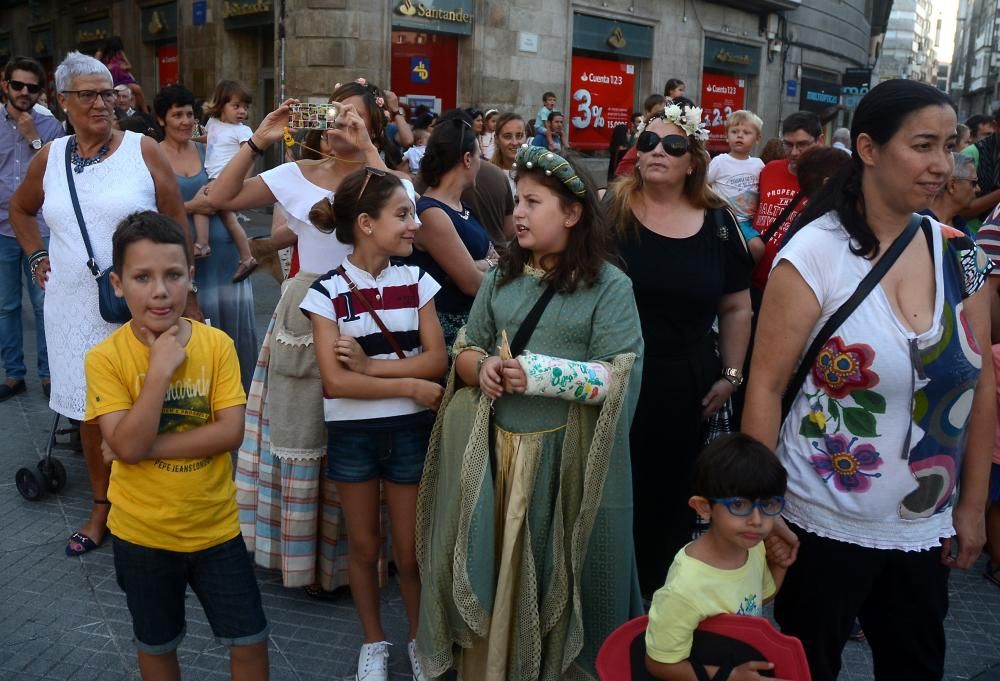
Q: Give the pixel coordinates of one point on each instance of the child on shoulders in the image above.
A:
(735, 176)
(166, 394)
(739, 487)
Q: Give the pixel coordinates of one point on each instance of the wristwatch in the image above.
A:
(734, 376)
(36, 143)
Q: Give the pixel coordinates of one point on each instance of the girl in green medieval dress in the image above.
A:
(524, 518)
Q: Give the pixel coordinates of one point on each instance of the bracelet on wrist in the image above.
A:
(36, 258)
(257, 151)
(479, 363)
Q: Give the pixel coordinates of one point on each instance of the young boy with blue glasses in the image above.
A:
(738, 485)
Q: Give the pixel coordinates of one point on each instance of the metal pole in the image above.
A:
(281, 52)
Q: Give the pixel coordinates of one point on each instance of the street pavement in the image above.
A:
(65, 618)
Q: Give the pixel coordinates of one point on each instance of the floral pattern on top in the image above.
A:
(840, 368)
(851, 468)
(843, 401)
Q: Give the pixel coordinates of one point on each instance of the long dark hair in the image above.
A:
(588, 247)
(880, 115)
(451, 139)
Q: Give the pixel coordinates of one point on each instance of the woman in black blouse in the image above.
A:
(688, 265)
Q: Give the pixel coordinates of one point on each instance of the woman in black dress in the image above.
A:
(688, 265)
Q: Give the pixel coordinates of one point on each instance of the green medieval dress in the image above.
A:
(532, 590)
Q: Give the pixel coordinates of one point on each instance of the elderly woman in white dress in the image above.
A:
(115, 173)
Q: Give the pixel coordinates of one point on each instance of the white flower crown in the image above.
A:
(689, 120)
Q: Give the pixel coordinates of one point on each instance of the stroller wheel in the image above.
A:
(53, 474)
(28, 484)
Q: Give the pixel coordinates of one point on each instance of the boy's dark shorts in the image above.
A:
(222, 577)
(390, 449)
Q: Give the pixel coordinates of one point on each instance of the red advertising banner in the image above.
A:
(602, 99)
(166, 57)
(720, 96)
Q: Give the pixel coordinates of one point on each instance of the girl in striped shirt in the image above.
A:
(380, 351)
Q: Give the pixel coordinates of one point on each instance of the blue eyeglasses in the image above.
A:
(742, 507)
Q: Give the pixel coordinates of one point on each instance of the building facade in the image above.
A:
(975, 65)
(600, 57)
(908, 50)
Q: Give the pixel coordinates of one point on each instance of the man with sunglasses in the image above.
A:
(779, 184)
(24, 131)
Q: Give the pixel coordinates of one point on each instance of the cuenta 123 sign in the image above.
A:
(602, 99)
(408, 8)
(721, 95)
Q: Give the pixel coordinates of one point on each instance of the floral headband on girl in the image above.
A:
(688, 119)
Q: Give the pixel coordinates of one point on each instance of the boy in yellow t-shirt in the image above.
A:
(166, 394)
(739, 485)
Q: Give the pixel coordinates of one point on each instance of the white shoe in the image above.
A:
(418, 672)
(373, 662)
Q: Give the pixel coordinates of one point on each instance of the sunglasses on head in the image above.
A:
(369, 172)
(674, 145)
(32, 88)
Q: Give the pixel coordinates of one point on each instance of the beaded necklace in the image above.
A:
(80, 163)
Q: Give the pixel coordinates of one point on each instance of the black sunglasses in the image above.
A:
(673, 145)
(369, 171)
(32, 88)
(464, 125)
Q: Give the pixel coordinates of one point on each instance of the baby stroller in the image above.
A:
(49, 474)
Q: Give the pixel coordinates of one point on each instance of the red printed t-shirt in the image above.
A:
(777, 188)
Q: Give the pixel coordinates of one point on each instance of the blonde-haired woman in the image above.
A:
(688, 265)
(509, 137)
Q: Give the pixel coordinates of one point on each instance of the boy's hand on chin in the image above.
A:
(166, 352)
(107, 453)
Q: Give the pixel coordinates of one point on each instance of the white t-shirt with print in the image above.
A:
(397, 295)
(874, 438)
(737, 182)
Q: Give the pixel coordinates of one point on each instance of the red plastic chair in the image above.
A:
(614, 659)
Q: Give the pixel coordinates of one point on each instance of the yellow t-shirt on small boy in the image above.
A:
(695, 591)
(182, 505)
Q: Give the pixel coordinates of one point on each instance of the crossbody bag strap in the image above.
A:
(91, 261)
(782, 217)
(393, 343)
(866, 286)
(527, 328)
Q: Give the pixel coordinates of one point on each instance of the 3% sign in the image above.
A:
(588, 113)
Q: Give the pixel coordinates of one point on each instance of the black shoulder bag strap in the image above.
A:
(782, 217)
(866, 286)
(91, 262)
(527, 328)
(521, 339)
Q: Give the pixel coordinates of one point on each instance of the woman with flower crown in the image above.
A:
(688, 264)
(290, 513)
(524, 514)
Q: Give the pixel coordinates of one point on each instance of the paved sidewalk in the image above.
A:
(65, 618)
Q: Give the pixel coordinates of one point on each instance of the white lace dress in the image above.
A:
(108, 191)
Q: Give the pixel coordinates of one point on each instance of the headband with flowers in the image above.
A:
(372, 88)
(688, 119)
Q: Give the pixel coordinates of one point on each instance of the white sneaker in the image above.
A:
(418, 672)
(373, 662)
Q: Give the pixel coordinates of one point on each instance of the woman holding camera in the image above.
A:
(286, 440)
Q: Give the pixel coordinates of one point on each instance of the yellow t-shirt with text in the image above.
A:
(179, 505)
(695, 591)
